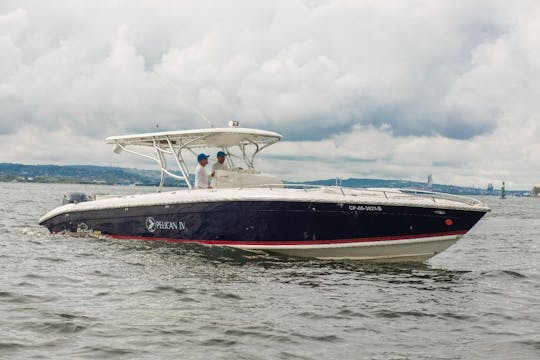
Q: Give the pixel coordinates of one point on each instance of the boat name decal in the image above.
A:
(153, 224)
(365, 208)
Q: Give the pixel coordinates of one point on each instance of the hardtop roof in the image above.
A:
(200, 138)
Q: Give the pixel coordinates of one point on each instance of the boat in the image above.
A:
(250, 210)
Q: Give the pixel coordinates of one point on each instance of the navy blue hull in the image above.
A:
(267, 222)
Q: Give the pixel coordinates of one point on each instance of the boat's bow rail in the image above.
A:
(435, 196)
(388, 194)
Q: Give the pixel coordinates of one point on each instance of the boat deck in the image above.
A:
(297, 193)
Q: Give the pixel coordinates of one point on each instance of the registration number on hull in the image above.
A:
(365, 208)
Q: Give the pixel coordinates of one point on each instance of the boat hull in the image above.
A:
(307, 229)
(416, 249)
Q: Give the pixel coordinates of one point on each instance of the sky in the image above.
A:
(365, 88)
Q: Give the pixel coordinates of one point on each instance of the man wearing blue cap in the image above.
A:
(219, 164)
(201, 177)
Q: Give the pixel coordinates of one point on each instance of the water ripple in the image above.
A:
(218, 342)
(80, 297)
(6, 296)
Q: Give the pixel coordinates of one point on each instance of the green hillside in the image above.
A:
(89, 174)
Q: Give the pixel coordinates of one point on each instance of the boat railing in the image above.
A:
(442, 196)
(387, 193)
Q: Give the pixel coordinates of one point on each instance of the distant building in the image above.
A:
(429, 184)
(489, 188)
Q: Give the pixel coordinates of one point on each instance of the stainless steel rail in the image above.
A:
(388, 193)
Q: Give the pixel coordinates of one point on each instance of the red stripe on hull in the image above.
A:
(301, 242)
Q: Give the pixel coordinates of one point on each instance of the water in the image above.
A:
(69, 297)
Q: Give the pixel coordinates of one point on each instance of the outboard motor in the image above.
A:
(76, 197)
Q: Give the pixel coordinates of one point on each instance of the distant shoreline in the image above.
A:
(103, 175)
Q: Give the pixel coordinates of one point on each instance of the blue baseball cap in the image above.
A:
(221, 153)
(202, 157)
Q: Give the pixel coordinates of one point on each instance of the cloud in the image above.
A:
(382, 88)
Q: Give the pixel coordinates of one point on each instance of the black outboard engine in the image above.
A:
(76, 197)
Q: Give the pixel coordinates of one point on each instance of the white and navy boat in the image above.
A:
(250, 210)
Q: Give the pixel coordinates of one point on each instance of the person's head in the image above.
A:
(203, 159)
(221, 157)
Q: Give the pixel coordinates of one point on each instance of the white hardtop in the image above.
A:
(235, 142)
(201, 138)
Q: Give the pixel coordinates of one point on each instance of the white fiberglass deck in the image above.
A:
(351, 196)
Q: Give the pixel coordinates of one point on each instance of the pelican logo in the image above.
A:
(83, 228)
(151, 224)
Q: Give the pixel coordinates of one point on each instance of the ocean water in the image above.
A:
(64, 297)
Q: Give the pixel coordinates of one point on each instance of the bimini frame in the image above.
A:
(173, 143)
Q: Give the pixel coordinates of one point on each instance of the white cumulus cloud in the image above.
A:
(358, 88)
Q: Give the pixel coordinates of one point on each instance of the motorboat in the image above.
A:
(250, 210)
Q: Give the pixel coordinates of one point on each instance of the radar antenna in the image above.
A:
(204, 117)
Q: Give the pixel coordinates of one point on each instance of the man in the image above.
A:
(201, 177)
(219, 164)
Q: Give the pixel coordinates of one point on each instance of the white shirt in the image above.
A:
(218, 166)
(201, 178)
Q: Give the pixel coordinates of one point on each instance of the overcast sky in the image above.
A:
(370, 89)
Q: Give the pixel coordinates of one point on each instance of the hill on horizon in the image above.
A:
(93, 174)
(78, 173)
